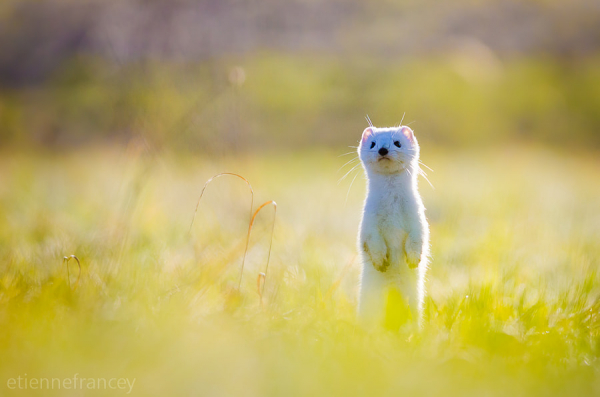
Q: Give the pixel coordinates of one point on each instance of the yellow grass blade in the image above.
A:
(271, 202)
(251, 205)
(66, 260)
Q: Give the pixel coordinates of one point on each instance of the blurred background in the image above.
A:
(220, 75)
(114, 113)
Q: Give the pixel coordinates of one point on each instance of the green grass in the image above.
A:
(513, 287)
(463, 99)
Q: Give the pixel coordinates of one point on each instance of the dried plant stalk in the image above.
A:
(66, 260)
(251, 215)
(259, 281)
(274, 204)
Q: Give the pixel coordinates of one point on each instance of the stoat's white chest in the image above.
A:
(389, 203)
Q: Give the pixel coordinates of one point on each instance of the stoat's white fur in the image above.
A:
(394, 235)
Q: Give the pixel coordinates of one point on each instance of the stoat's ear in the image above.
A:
(367, 133)
(407, 132)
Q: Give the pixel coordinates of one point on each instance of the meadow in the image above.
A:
(513, 298)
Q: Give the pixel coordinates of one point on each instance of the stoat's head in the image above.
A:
(388, 150)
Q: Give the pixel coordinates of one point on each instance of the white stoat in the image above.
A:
(394, 234)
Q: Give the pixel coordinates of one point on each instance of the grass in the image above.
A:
(513, 288)
(464, 98)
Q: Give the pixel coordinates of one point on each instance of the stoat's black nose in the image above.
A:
(383, 151)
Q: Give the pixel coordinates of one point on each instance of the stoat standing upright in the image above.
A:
(394, 234)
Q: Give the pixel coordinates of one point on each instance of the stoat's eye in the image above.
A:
(397, 144)
(372, 144)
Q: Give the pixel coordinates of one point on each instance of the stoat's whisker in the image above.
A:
(426, 166)
(369, 121)
(348, 173)
(348, 162)
(403, 114)
(350, 187)
(345, 154)
(427, 179)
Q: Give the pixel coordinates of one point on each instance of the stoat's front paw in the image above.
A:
(382, 264)
(414, 251)
(377, 254)
(413, 258)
